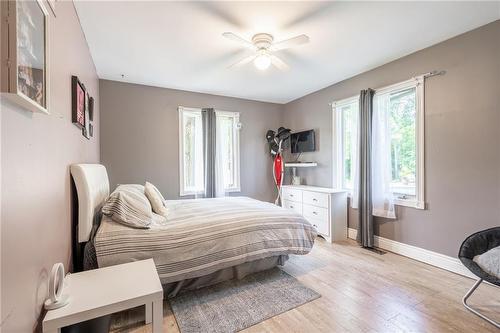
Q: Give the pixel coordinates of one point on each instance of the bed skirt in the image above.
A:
(235, 272)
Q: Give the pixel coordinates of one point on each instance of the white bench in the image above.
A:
(103, 291)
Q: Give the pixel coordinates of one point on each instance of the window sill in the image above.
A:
(186, 194)
(410, 203)
(403, 203)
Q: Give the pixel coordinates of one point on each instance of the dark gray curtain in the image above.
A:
(365, 217)
(209, 127)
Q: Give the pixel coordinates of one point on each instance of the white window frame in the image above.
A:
(182, 191)
(418, 83)
(338, 158)
(236, 145)
(236, 142)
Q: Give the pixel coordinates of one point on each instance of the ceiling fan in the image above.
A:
(264, 46)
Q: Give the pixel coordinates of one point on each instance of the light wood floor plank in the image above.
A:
(363, 291)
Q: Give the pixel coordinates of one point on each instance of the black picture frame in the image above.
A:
(78, 97)
(87, 97)
(91, 108)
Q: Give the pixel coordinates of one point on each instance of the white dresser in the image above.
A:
(325, 208)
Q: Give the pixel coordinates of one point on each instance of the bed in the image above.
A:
(202, 242)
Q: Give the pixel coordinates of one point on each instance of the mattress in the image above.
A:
(202, 236)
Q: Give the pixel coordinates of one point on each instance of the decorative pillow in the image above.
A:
(158, 220)
(490, 261)
(156, 199)
(133, 187)
(129, 206)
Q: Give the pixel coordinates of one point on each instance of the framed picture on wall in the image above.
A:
(78, 102)
(86, 128)
(87, 97)
(91, 108)
(26, 50)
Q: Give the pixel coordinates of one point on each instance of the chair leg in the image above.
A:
(464, 301)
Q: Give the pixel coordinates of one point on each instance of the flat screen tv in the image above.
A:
(302, 142)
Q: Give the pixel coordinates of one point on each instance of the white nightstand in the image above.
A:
(107, 290)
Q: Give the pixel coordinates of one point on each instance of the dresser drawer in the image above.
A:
(296, 206)
(291, 194)
(315, 212)
(315, 198)
(320, 225)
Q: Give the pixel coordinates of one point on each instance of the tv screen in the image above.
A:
(302, 142)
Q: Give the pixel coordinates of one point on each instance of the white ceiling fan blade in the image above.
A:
(243, 61)
(238, 39)
(280, 64)
(284, 44)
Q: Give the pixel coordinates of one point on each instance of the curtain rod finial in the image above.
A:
(434, 73)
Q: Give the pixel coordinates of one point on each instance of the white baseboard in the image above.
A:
(429, 257)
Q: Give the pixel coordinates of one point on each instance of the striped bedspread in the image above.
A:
(205, 235)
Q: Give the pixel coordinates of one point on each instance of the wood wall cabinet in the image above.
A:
(24, 55)
(325, 208)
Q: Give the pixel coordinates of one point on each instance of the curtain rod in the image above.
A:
(431, 74)
(425, 75)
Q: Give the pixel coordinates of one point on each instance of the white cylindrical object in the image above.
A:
(56, 282)
(56, 287)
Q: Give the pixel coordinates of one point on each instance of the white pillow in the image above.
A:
(129, 206)
(156, 199)
(489, 261)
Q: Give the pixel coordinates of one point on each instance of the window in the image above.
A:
(191, 150)
(228, 141)
(402, 113)
(192, 180)
(346, 124)
(402, 108)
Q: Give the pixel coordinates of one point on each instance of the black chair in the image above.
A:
(474, 245)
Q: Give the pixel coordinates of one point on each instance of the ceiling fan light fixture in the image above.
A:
(262, 61)
(264, 47)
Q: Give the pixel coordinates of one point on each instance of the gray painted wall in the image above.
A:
(140, 136)
(36, 151)
(462, 121)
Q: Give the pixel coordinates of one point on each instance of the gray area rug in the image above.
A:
(235, 305)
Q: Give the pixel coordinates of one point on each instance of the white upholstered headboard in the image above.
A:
(92, 187)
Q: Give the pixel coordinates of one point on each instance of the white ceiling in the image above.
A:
(179, 44)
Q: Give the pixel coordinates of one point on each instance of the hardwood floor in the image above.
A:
(363, 291)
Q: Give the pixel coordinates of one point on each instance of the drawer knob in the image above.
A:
(314, 199)
(291, 195)
(291, 206)
(315, 213)
(314, 225)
